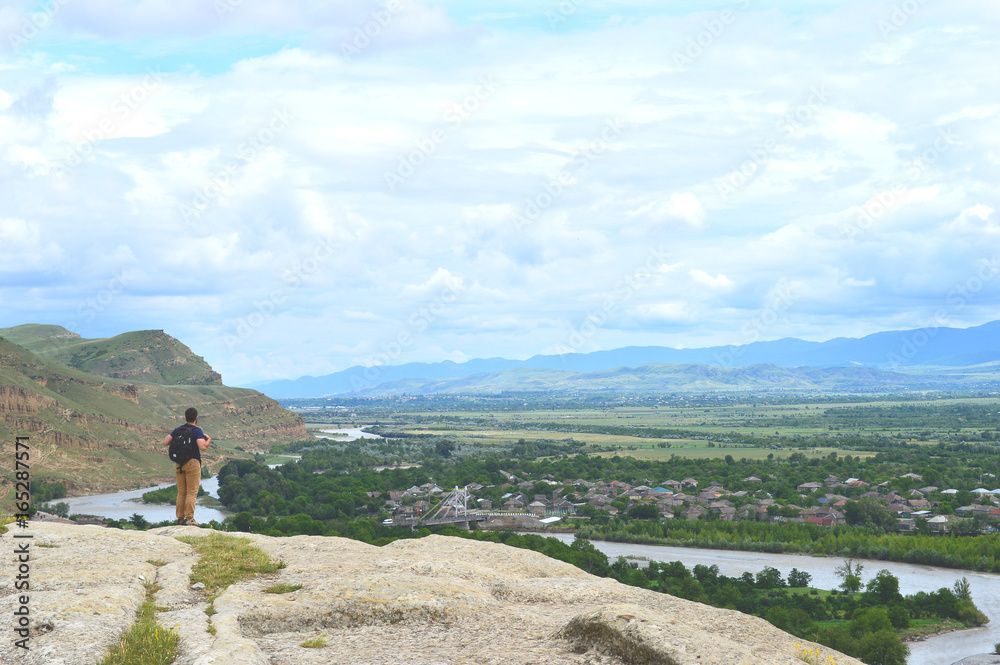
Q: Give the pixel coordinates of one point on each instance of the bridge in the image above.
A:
(453, 509)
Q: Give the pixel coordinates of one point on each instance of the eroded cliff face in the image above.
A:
(420, 602)
(90, 451)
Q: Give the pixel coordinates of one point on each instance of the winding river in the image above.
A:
(939, 650)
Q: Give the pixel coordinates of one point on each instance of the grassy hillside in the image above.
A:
(96, 433)
(144, 356)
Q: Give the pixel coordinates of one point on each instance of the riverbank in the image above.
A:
(926, 632)
(940, 649)
(969, 553)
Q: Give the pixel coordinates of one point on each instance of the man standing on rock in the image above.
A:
(190, 441)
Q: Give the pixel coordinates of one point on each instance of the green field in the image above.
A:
(658, 427)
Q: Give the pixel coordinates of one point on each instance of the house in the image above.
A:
(689, 482)
(939, 523)
(513, 504)
(822, 521)
(562, 507)
(811, 487)
(912, 476)
(752, 479)
(536, 508)
(673, 484)
(906, 525)
(695, 512)
(421, 507)
(920, 504)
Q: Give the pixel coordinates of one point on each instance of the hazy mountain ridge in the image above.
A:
(95, 433)
(895, 350)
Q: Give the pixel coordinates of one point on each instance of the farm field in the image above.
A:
(658, 427)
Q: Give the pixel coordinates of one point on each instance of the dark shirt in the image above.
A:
(197, 434)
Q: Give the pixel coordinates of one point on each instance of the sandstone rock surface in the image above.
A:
(421, 602)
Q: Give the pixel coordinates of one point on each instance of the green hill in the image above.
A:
(145, 356)
(97, 433)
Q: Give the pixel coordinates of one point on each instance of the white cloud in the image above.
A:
(717, 282)
(450, 222)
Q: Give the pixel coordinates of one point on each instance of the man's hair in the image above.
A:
(191, 414)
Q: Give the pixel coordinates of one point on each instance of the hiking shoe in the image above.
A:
(191, 523)
(182, 521)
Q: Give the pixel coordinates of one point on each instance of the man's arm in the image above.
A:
(203, 443)
(168, 439)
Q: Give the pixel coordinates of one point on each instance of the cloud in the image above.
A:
(98, 167)
(680, 207)
(718, 282)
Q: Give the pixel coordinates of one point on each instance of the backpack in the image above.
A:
(182, 446)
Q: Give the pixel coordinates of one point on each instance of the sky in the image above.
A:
(296, 188)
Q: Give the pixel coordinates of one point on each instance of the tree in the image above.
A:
(883, 648)
(869, 620)
(884, 588)
(961, 589)
(850, 574)
(769, 578)
(644, 511)
(139, 521)
(799, 578)
(869, 512)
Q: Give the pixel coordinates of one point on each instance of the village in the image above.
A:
(925, 509)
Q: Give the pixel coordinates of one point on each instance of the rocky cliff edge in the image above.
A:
(421, 602)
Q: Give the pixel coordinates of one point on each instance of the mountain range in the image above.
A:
(899, 353)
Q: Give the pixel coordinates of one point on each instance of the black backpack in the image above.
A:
(182, 446)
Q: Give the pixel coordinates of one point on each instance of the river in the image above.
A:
(122, 505)
(939, 650)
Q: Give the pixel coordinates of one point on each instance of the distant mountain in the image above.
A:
(95, 433)
(896, 350)
(666, 377)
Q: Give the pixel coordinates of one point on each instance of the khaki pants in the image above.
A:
(188, 479)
